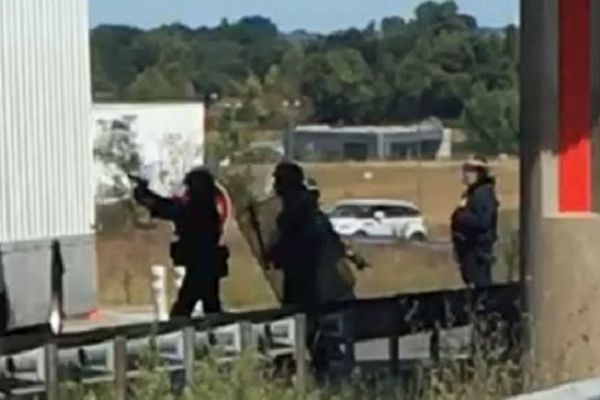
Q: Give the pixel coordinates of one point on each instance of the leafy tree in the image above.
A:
(152, 84)
(491, 120)
(117, 154)
(438, 63)
(111, 56)
(340, 83)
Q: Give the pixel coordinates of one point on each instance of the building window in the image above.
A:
(356, 151)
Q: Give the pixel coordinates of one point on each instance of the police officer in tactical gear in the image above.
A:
(198, 229)
(345, 248)
(296, 248)
(474, 224)
(299, 250)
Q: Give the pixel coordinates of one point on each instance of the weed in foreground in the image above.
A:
(488, 375)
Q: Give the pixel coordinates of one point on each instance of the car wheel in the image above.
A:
(418, 237)
(361, 234)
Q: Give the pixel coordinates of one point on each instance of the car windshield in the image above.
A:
(368, 211)
(351, 211)
(401, 211)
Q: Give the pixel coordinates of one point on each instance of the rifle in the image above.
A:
(259, 237)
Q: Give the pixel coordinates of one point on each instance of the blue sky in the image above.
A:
(313, 15)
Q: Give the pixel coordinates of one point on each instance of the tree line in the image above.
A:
(439, 62)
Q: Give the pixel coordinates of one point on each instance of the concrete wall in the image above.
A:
(26, 278)
(567, 298)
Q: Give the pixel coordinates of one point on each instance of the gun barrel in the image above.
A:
(137, 180)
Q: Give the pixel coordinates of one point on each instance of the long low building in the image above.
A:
(427, 139)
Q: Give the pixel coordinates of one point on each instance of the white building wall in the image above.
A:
(170, 139)
(46, 186)
(445, 150)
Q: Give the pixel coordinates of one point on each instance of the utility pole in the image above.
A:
(211, 158)
(419, 165)
(289, 142)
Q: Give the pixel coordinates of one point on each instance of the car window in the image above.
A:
(344, 212)
(401, 211)
(384, 209)
(351, 211)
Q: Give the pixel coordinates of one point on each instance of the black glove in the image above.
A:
(140, 193)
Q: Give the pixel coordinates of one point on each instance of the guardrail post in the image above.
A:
(268, 334)
(394, 343)
(348, 331)
(246, 341)
(435, 343)
(51, 370)
(159, 292)
(300, 352)
(120, 366)
(189, 354)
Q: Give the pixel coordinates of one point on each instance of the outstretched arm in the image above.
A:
(159, 207)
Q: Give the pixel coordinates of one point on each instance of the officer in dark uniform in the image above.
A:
(198, 229)
(296, 248)
(342, 247)
(474, 224)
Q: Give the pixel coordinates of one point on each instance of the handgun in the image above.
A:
(139, 181)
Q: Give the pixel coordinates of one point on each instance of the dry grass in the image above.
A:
(125, 258)
(133, 252)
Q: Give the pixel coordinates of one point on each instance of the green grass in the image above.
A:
(488, 376)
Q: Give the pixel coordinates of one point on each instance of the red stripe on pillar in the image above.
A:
(574, 113)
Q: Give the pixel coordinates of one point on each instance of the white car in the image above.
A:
(378, 218)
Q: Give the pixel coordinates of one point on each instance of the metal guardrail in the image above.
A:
(389, 317)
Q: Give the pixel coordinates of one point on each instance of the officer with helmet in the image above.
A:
(474, 223)
(296, 248)
(344, 248)
(198, 231)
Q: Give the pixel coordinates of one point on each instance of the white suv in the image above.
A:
(378, 218)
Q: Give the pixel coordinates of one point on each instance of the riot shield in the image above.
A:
(336, 275)
(258, 224)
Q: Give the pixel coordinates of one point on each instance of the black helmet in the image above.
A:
(288, 176)
(290, 171)
(200, 181)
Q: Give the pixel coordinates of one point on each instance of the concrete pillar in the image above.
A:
(560, 258)
(595, 103)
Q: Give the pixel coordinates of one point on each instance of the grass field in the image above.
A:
(124, 258)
